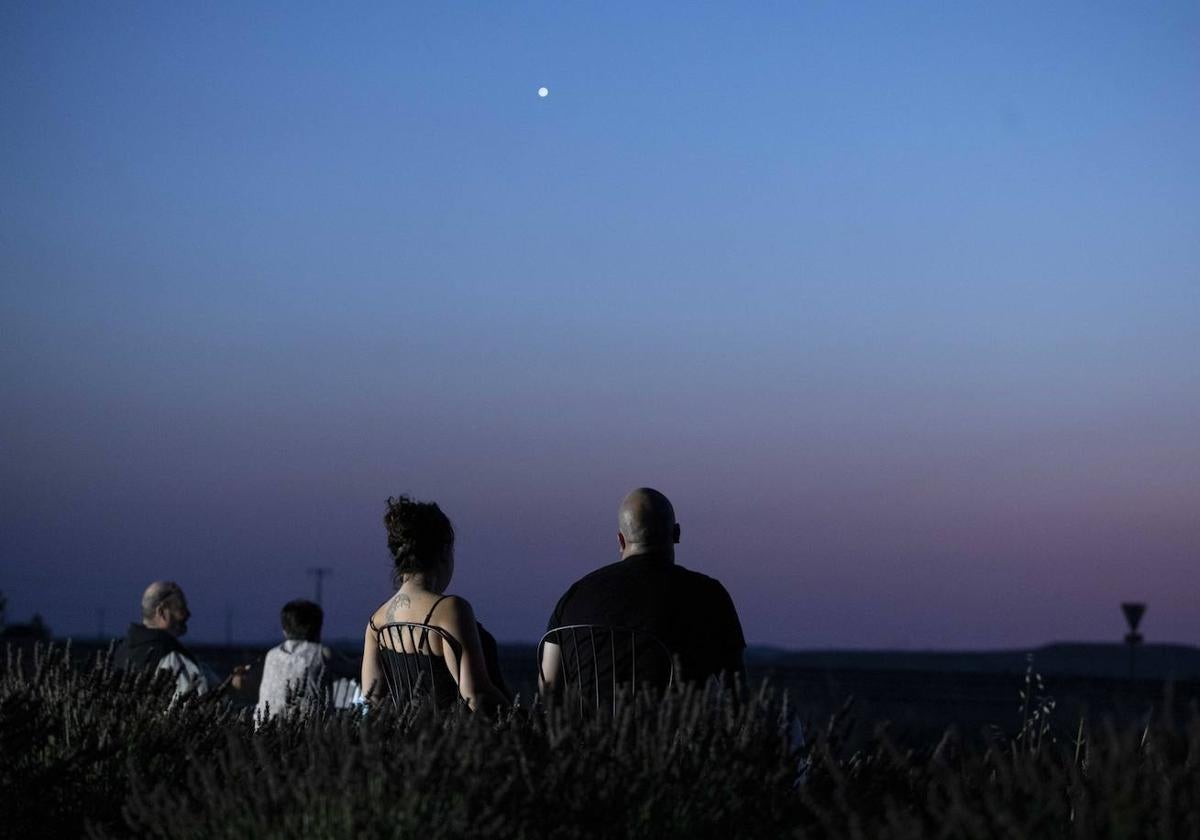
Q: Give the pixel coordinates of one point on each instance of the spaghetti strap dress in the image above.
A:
(417, 675)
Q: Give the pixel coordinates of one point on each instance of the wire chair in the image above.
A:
(634, 657)
(410, 671)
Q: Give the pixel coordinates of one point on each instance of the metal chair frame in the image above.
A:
(405, 680)
(636, 637)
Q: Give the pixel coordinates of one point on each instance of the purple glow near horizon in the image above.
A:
(901, 311)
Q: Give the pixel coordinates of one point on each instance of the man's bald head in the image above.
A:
(646, 520)
(165, 607)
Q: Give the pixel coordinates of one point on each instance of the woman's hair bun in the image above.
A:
(418, 535)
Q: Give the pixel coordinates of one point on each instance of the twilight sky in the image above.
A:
(899, 303)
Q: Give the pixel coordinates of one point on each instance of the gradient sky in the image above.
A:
(899, 303)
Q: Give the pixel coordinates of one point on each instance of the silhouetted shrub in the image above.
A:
(70, 737)
(90, 750)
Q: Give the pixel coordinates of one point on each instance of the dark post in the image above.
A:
(1133, 616)
(320, 573)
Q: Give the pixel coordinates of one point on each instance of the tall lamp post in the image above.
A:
(1133, 615)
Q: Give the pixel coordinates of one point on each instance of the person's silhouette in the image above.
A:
(647, 591)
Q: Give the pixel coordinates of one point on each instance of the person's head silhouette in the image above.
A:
(646, 522)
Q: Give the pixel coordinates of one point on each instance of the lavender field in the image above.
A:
(97, 752)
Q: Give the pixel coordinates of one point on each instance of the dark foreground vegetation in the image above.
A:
(93, 752)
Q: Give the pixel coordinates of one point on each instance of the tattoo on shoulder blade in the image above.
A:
(400, 600)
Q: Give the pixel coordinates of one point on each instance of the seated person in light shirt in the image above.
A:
(300, 672)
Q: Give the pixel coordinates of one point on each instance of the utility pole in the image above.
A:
(1133, 615)
(320, 573)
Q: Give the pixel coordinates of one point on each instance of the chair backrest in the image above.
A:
(346, 693)
(597, 659)
(411, 670)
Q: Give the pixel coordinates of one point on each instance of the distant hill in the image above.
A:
(1059, 659)
(1075, 659)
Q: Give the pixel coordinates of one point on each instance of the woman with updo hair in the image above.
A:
(421, 541)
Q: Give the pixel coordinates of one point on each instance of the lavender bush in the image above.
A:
(97, 752)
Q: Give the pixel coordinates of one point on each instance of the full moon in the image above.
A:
(543, 92)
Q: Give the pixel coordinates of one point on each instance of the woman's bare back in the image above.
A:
(417, 607)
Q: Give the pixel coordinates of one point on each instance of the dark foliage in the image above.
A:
(103, 753)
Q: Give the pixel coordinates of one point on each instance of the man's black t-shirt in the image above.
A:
(690, 613)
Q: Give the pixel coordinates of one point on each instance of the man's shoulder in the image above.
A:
(630, 570)
(145, 647)
(177, 661)
(601, 575)
(699, 580)
(585, 588)
(297, 652)
(297, 646)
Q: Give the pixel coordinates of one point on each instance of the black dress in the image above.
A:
(423, 674)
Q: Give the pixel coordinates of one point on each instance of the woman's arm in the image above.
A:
(473, 682)
(491, 660)
(373, 687)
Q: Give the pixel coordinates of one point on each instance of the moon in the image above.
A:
(543, 92)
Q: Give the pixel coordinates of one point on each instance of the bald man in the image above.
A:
(647, 590)
(154, 643)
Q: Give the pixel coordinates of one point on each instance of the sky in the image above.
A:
(898, 302)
